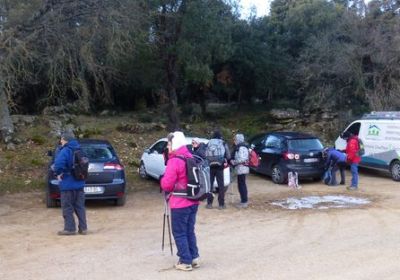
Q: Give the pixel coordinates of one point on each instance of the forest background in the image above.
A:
(90, 55)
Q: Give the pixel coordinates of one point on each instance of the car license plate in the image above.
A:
(308, 160)
(93, 190)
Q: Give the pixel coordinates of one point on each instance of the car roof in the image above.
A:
(290, 134)
(93, 141)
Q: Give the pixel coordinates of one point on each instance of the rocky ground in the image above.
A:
(262, 242)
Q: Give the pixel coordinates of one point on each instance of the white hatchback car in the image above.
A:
(152, 162)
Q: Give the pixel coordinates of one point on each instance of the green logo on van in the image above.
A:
(373, 130)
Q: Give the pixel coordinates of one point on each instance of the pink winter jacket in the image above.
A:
(175, 178)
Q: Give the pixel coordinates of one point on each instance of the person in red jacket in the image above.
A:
(183, 210)
(353, 158)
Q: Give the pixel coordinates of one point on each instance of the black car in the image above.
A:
(282, 152)
(106, 178)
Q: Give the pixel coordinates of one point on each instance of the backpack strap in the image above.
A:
(180, 193)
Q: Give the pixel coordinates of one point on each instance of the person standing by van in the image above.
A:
(353, 159)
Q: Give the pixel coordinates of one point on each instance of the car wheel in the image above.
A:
(50, 202)
(120, 201)
(142, 171)
(395, 170)
(277, 175)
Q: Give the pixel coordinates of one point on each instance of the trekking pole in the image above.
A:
(166, 218)
(169, 229)
(163, 232)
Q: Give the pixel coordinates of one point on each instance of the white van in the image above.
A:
(380, 134)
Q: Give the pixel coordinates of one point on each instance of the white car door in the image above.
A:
(154, 160)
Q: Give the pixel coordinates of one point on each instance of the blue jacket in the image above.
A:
(334, 157)
(63, 165)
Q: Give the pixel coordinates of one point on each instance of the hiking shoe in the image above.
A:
(196, 262)
(242, 205)
(82, 232)
(352, 188)
(342, 183)
(221, 207)
(209, 206)
(183, 266)
(332, 185)
(66, 232)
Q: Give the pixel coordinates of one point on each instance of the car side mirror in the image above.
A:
(50, 153)
(147, 151)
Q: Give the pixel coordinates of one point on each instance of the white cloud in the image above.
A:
(262, 7)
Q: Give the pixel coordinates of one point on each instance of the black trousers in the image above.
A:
(218, 173)
(242, 187)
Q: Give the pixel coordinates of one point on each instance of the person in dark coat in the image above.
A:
(337, 161)
(72, 194)
(199, 148)
(217, 172)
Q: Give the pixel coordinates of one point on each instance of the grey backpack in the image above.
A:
(215, 152)
(198, 175)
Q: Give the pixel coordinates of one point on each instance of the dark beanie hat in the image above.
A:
(68, 136)
(217, 135)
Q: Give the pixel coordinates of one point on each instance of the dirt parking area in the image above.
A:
(261, 242)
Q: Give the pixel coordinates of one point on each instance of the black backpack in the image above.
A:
(361, 150)
(198, 174)
(80, 166)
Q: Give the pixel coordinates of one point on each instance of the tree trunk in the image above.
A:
(173, 118)
(6, 125)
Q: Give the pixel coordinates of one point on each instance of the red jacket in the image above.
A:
(175, 178)
(351, 150)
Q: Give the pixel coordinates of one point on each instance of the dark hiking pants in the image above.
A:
(73, 201)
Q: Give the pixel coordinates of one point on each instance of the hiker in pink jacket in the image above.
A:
(183, 210)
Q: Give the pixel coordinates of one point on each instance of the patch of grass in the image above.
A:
(19, 184)
(145, 118)
(37, 162)
(88, 132)
(38, 139)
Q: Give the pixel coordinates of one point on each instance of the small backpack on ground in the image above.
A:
(80, 165)
(198, 174)
(361, 150)
(293, 180)
(215, 152)
(254, 159)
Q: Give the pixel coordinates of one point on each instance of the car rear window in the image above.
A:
(98, 152)
(304, 144)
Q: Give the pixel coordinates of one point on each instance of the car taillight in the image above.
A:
(113, 166)
(54, 195)
(289, 156)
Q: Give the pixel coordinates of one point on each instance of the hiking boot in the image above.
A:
(82, 232)
(66, 232)
(351, 188)
(209, 206)
(342, 183)
(183, 266)
(242, 205)
(196, 262)
(221, 207)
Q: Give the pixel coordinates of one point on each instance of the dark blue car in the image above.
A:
(282, 152)
(106, 174)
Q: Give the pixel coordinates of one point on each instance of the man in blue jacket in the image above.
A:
(337, 160)
(72, 194)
